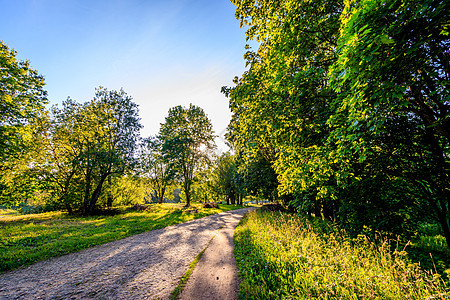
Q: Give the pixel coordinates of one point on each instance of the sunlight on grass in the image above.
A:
(25, 239)
(280, 256)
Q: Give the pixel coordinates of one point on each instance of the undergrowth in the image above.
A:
(281, 256)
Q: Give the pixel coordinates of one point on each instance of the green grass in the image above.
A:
(280, 256)
(26, 239)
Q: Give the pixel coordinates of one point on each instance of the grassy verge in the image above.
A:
(280, 256)
(25, 239)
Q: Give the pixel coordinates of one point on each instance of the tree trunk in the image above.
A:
(66, 203)
(161, 195)
(187, 192)
(96, 194)
(109, 201)
(87, 193)
(441, 213)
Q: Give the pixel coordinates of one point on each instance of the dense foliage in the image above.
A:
(349, 102)
(22, 104)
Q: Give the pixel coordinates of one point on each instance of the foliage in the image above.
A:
(22, 103)
(349, 103)
(393, 67)
(25, 239)
(124, 190)
(188, 141)
(281, 256)
(84, 144)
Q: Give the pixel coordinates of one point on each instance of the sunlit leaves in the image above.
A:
(188, 140)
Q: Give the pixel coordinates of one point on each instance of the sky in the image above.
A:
(163, 53)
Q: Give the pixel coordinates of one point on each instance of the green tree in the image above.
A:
(84, 144)
(108, 133)
(393, 65)
(188, 141)
(282, 103)
(224, 177)
(60, 153)
(22, 103)
(328, 90)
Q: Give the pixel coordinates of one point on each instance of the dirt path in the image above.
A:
(145, 266)
(215, 276)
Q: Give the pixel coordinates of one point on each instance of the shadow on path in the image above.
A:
(147, 265)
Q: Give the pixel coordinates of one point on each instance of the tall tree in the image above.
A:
(60, 153)
(108, 132)
(188, 141)
(22, 102)
(331, 84)
(281, 104)
(393, 65)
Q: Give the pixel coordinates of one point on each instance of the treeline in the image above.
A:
(82, 157)
(348, 102)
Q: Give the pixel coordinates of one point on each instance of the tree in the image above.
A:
(22, 102)
(85, 144)
(328, 90)
(188, 141)
(60, 153)
(108, 133)
(153, 166)
(393, 65)
(282, 103)
(224, 177)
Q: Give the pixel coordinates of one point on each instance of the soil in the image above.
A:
(215, 275)
(145, 266)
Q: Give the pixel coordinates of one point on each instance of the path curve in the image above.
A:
(144, 266)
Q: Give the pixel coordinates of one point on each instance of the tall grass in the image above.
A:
(25, 239)
(280, 256)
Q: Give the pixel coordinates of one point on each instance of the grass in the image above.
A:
(26, 239)
(280, 256)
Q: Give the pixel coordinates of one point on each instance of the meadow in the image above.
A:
(282, 256)
(26, 239)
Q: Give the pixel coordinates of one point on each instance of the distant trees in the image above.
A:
(188, 141)
(155, 170)
(352, 98)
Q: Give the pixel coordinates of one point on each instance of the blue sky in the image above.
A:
(163, 53)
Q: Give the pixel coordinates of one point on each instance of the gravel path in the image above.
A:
(215, 275)
(145, 266)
